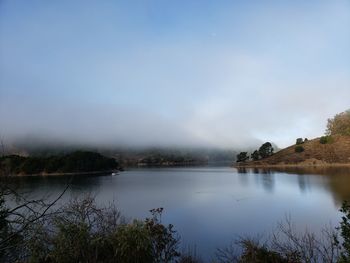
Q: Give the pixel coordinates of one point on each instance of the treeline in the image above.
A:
(171, 157)
(78, 161)
(169, 160)
(126, 156)
(264, 151)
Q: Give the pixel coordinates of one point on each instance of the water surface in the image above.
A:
(211, 206)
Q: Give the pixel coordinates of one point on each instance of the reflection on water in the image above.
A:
(304, 183)
(211, 205)
(336, 179)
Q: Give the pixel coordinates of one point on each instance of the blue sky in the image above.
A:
(213, 73)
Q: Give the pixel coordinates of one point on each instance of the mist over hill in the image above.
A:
(31, 146)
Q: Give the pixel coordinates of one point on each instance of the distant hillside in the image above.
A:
(75, 162)
(125, 156)
(171, 157)
(336, 151)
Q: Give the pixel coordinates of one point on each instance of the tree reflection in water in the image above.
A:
(335, 179)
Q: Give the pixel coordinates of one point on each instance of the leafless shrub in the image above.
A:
(306, 245)
(85, 210)
(285, 244)
(189, 255)
(18, 219)
(229, 254)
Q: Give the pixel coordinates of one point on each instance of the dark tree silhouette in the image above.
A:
(266, 150)
(299, 141)
(255, 155)
(242, 157)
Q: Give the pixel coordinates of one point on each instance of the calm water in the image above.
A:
(211, 206)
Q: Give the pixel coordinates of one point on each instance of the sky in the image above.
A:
(227, 74)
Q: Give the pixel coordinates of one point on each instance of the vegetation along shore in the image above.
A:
(79, 162)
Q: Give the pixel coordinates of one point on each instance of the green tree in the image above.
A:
(255, 155)
(299, 141)
(242, 157)
(266, 150)
(325, 139)
(299, 149)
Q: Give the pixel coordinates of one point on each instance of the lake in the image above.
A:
(212, 206)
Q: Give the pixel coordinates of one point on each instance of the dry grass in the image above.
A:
(337, 152)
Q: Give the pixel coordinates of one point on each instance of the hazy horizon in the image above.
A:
(224, 74)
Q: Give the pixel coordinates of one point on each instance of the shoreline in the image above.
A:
(300, 165)
(62, 174)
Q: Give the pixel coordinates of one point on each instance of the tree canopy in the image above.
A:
(266, 150)
(255, 155)
(242, 157)
(339, 124)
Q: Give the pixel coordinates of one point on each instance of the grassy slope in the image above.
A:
(336, 152)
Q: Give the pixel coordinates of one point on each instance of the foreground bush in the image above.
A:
(83, 232)
(254, 252)
(345, 232)
(287, 245)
